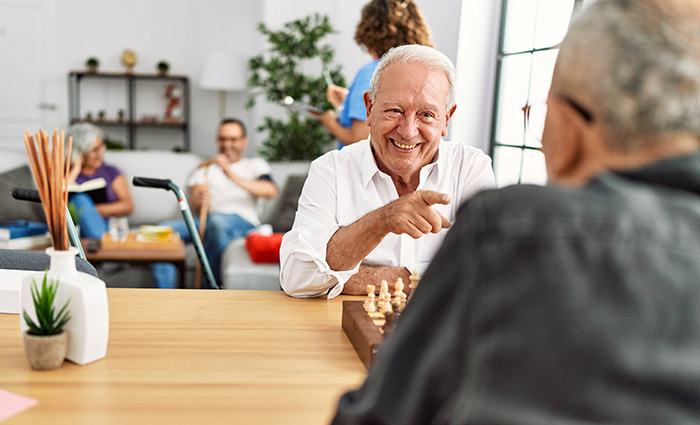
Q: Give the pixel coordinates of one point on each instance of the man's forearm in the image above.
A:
(369, 275)
(351, 244)
(258, 188)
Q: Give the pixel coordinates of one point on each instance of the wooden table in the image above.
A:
(195, 357)
(147, 254)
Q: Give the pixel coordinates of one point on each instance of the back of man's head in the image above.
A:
(636, 65)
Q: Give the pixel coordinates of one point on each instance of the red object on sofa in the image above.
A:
(264, 248)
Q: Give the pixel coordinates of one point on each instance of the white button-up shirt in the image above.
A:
(343, 186)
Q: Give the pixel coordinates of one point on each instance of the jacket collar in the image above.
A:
(679, 173)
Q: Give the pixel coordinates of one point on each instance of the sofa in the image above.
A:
(152, 206)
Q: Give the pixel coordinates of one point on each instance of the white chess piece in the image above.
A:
(415, 279)
(370, 304)
(398, 292)
(384, 297)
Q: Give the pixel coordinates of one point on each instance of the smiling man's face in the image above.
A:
(408, 118)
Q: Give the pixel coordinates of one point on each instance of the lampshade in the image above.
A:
(223, 70)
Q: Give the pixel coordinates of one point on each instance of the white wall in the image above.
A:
(476, 72)
(185, 31)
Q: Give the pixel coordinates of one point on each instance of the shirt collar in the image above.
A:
(370, 168)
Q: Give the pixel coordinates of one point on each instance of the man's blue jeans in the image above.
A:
(92, 224)
(221, 230)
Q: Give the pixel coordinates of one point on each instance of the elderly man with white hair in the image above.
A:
(377, 209)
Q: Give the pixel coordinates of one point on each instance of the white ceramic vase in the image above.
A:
(89, 323)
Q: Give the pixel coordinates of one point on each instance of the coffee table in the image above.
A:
(133, 251)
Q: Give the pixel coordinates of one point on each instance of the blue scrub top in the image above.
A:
(354, 105)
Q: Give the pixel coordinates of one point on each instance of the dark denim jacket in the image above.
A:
(549, 305)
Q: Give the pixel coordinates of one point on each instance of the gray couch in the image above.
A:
(155, 205)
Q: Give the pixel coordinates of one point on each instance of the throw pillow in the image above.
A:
(283, 216)
(264, 248)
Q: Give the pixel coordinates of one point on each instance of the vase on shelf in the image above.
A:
(89, 324)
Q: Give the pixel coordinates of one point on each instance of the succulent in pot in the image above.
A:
(45, 341)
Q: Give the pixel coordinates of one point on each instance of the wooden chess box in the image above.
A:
(364, 332)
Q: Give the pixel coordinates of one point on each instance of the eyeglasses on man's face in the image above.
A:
(534, 115)
(223, 139)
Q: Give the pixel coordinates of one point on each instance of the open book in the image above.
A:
(95, 188)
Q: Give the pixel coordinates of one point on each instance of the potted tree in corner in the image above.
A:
(45, 342)
(279, 73)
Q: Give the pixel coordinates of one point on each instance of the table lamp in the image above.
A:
(223, 71)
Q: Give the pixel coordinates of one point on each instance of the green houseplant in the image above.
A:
(45, 343)
(293, 66)
(163, 67)
(92, 63)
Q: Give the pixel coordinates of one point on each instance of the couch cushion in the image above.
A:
(13, 209)
(282, 217)
(239, 272)
(151, 205)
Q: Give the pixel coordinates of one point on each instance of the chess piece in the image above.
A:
(398, 291)
(389, 323)
(383, 288)
(370, 303)
(415, 279)
(384, 302)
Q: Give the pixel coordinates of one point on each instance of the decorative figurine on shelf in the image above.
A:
(162, 68)
(92, 63)
(129, 59)
(120, 115)
(173, 107)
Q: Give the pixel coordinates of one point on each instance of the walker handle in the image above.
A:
(151, 182)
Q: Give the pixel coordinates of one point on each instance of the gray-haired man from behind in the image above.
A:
(578, 302)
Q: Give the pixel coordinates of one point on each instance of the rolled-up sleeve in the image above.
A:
(304, 271)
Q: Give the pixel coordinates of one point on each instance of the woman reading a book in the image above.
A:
(98, 191)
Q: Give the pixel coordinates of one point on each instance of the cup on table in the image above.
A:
(118, 228)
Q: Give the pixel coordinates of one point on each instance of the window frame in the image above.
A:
(501, 55)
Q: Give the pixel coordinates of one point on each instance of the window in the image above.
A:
(531, 31)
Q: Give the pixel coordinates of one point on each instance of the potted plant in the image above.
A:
(278, 74)
(45, 343)
(92, 63)
(113, 144)
(162, 68)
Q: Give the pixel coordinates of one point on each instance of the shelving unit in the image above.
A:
(130, 122)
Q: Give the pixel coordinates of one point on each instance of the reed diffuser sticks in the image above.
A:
(50, 164)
